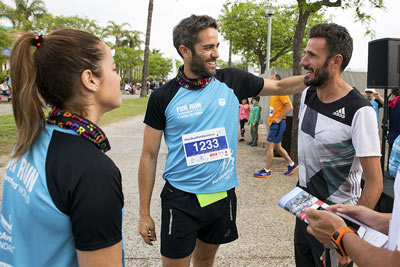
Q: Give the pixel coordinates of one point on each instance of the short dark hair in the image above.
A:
(256, 98)
(396, 92)
(278, 77)
(185, 33)
(338, 40)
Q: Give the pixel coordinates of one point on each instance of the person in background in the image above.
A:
(244, 111)
(375, 99)
(280, 106)
(394, 158)
(62, 198)
(394, 117)
(254, 119)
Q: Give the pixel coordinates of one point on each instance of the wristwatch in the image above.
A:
(336, 239)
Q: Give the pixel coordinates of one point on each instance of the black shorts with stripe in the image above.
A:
(183, 221)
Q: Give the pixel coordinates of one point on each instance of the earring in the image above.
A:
(97, 88)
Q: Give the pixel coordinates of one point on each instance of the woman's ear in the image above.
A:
(90, 81)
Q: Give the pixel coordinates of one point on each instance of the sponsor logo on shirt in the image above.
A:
(186, 111)
(340, 113)
(5, 237)
(221, 102)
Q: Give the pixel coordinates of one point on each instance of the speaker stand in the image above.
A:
(384, 127)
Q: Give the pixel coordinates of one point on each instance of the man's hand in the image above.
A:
(276, 120)
(376, 220)
(147, 229)
(321, 224)
(342, 261)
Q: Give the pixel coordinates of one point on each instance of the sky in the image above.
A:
(168, 13)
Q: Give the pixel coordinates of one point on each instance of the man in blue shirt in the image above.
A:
(375, 99)
(198, 113)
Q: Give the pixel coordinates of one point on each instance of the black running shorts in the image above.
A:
(183, 221)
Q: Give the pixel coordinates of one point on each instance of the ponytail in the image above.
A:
(26, 101)
(48, 70)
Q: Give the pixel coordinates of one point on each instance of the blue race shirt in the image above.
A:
(394, 159)
(179, 111)
(376, 105)
(51, 200)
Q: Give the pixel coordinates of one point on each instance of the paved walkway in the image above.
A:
(265, 230)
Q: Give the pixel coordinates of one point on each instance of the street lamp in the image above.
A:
(269, 11)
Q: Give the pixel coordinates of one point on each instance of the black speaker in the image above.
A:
(384, 63)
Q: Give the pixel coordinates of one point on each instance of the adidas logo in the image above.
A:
(340, 113)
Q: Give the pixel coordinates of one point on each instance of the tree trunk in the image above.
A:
(263, 65)
(145, 72)
(297, 52)
(230, 55)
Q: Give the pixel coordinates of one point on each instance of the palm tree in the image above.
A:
(116, 31)
(145, 72)
(156, 52)
(24, 11)
(132, 39)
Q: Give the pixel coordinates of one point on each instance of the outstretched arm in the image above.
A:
(322, 224)
(288, 86)
(146, 177)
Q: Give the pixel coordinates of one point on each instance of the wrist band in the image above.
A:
(337, 237)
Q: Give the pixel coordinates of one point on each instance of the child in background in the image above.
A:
(244, 110)
(254, 119)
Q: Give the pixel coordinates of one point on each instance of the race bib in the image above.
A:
(205, 146)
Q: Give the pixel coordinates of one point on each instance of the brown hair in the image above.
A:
(49, 74)
(338, 40)
(185, 33)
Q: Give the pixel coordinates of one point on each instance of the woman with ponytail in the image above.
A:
(62, 198)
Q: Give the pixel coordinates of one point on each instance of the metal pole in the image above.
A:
(384, 128)
(268, 44)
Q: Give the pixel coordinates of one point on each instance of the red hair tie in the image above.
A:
(37, 40)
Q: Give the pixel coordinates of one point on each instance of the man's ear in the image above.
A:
(185, 51)
(337, 61)
(89, 81)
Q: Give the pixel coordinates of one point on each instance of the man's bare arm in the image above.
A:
(373, 181)
(288, 86)
(288, 109)
(146, 178)
(322, 224)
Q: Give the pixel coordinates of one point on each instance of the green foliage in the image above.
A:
(159, 67)
(236, 64)
(116, 31)
(362, 12)
(23, 12)
(127, 60)
(5, 38)
(48, 23)
(245, 24)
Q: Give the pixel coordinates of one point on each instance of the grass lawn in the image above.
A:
(129, 108)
